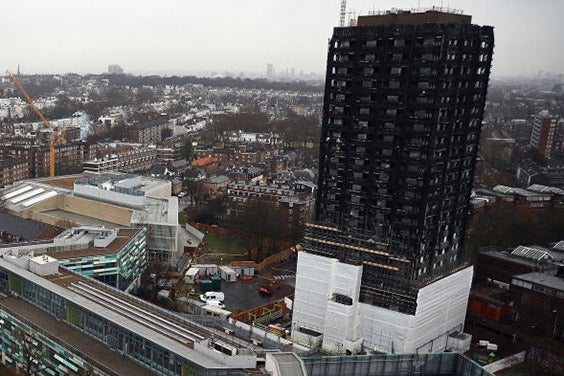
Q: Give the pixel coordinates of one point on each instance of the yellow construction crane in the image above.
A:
(55, 136)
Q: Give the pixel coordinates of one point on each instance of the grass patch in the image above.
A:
(222, 249)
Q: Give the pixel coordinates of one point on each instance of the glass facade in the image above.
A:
(118, 338)
(118, 270)
(35, 353)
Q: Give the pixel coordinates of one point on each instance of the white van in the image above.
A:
(212, 295)
(215, 303)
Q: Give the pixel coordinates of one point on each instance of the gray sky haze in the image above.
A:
(198, 37)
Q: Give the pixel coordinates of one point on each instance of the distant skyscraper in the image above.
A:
(547, 135)
(115, 69)
(383, 266)
(270, 71)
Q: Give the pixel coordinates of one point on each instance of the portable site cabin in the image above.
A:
(243, 270)
(191, 275)
(227, 274)
(217, 312)
(207, 269)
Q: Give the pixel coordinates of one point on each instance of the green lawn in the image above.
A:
(221, 249)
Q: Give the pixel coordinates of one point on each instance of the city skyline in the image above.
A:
(175, 37)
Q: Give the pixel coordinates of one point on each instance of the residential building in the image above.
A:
(383, 266)
(216, 186)
(68, 157)
(295, 205)
(547, 136)
(13, 170)
(148, 132)
(123, 159)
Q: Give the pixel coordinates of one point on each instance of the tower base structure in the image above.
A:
(327, 311)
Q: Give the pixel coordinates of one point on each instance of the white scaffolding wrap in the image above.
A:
(322, 308)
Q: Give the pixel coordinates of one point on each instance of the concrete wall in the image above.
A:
(97, 210)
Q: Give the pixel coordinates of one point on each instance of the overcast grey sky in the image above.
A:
(195, 37)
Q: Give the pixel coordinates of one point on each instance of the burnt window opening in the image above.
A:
(342, 299)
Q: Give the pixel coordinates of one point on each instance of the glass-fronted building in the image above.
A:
(120, 267)
(159, 341)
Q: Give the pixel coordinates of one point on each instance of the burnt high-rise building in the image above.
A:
(383, 265)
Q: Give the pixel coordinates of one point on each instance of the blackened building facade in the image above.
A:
(404, 101)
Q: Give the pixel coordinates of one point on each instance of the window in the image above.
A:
(425, 71)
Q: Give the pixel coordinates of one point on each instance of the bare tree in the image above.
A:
(30, 351)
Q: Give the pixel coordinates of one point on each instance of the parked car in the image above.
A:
(211, 296)
(216, 303)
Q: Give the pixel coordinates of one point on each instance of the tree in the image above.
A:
(30, 351)
(64, 107)
(265, 223)
(166, 133)
(196, 189)
(186, 149)
(298, 131)
(144, 95)
(248, 120)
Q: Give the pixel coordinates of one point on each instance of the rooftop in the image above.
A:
(434, 15)
(165, 329)
(203, 161)
(25, 229)
(536, 254)
(543, 279)
(123, 236)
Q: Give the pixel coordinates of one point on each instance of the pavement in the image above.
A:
(244, 295)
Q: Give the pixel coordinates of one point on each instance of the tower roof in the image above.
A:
(406, 17)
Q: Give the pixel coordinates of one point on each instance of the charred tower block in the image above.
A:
(404, 101)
